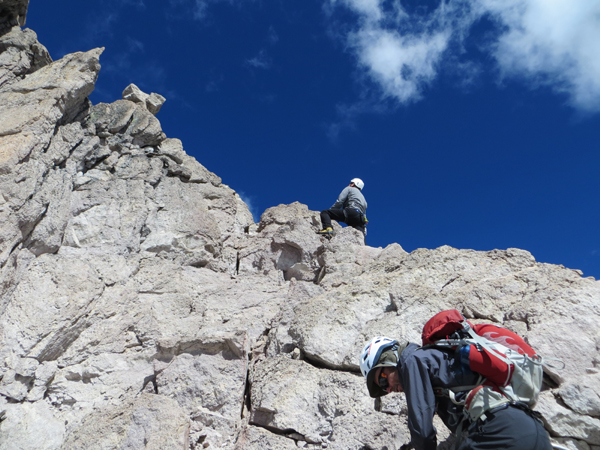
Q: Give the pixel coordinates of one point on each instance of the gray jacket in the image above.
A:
(422, 370)
(351, 197)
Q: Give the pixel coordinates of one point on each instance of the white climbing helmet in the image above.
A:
(373, 350)
(358, 183)
(379, 352)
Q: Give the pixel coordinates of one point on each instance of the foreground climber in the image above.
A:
(390, 366)
(349, 208)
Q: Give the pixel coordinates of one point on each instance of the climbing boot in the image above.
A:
(326, 231)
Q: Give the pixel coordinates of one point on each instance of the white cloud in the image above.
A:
(401, 64)
(261, 61)
(552, 42)
(200, 8)
(546, 42)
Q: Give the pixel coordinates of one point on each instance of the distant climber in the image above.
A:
(349, 208)
(422, 374)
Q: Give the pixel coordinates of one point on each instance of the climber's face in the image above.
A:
(388, 379)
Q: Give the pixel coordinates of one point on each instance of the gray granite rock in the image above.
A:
(20, 55)
(152, 102)
(12, 13)
(142, 307)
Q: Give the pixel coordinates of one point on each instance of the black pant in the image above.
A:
(349, 216)
(510, 428)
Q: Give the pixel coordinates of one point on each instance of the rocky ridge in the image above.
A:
(141, 306)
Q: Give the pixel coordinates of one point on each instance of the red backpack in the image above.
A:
(510, 369)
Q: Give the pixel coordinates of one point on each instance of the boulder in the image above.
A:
(152, 102)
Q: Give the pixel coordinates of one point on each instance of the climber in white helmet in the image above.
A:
(423, 373)
(349, 208)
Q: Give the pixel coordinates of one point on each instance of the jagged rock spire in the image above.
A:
(12, 13)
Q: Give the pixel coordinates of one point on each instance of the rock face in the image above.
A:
(12, 13)
(141, 306)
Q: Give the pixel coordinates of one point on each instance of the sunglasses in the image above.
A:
(383, 380)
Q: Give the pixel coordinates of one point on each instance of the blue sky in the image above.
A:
(473, 123)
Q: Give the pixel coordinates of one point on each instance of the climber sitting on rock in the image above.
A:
(422, 373)
(349, 208)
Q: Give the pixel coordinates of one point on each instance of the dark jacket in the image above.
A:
(422, 370)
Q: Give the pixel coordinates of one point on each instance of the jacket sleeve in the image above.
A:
(420, 399)
(341, 201)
